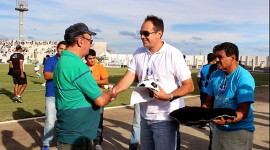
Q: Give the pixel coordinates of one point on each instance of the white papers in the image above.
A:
(139, 95)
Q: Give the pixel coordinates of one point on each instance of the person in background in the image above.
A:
(164, 64)
(45, 58)
(135, 132)
(36, 69)
(78, 98)
(201, 77)
(50, 110)
(136, 129)
(101, 76)
(231, 86)
(212, 68)
(18, 74)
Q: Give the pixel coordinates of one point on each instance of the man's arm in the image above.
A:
(21, 69)
(105, 98)
(48, 75)
(103, 81)
(209, 102)
(241, 112)
(104, 76)
(10, 64)
(199, 78)
(199, 82)
(124, 82)
(48, 70)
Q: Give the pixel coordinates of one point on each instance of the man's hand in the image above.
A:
(161, 95)
(221, 121)
(112, 92)
(22, 75)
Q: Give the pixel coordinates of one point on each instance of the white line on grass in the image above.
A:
(35, 118)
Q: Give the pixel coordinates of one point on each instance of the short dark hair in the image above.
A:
(62, 42)
(18, 47)
(157, 22)
(216, 48)
(211, 57)
(229, 48)
(91, 53)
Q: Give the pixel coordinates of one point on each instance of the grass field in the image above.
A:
(33, 98)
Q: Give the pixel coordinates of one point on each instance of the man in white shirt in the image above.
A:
(165, 64)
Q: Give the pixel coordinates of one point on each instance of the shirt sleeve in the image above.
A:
(245, 90)
(181, 68)
(21, 57)
(87, 84)
(48, 67)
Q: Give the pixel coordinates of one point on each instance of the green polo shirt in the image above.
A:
(75, 92)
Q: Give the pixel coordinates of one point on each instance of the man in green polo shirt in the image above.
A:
(77, 94)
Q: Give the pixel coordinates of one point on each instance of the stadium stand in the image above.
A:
(31, 48)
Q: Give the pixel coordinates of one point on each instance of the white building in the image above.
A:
(193, 61)
(43, 48)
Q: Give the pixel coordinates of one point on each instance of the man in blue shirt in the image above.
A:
(49, 66)
(231, 86)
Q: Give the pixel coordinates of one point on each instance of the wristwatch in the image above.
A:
(171, 96)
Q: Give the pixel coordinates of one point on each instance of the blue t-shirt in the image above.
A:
(49, 66)
(204, 72)
(231, 90)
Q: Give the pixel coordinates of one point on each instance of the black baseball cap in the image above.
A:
(76, 30)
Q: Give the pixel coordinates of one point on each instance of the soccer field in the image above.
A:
(34, 101)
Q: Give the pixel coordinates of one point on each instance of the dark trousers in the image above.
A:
(86, 146)
(99, 137)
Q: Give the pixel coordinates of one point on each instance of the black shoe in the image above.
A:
(14, 99)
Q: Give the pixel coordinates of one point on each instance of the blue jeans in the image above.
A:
(135, 133)
(50, 120)
(158, 134)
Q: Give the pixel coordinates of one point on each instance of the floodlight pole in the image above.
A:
(21, 6)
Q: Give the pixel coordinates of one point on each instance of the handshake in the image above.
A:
(112, 92)
(106, 97)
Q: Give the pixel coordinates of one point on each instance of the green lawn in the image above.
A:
(34, 101)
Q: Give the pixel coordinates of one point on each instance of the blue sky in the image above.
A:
(193, 26)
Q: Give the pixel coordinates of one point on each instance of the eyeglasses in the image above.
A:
(146, 33)
(90, 40)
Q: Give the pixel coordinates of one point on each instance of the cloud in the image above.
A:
(3, 37)
(191, 26)
(196, 38)
(130, 34)
(31, 38)
(96, 30)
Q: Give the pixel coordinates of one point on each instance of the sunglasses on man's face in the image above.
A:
(146, 33)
